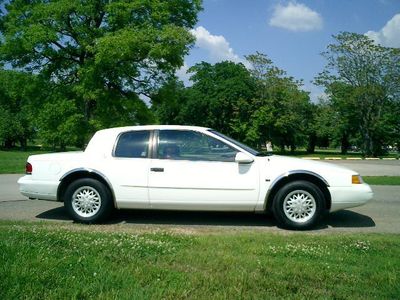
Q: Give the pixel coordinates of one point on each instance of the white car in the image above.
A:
(188, 168)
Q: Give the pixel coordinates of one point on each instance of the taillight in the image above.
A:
(28, 168)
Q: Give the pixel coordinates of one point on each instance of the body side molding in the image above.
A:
(92, 171)
(286, 175)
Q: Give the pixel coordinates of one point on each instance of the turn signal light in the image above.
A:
(356, 179)
(28, 168)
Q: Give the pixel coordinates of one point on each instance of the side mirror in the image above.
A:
(242, 158)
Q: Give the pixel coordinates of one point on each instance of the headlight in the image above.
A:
(356, 179)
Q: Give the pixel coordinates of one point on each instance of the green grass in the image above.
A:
(13, 161)
(43, 261)
(382, 180)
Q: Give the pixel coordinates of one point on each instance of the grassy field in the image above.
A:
(13, 161)
(43, 261)
(382, 180)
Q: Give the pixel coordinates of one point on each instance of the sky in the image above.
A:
(291, 33)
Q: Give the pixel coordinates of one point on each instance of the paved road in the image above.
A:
(379, 215)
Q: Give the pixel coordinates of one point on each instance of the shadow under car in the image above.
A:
(340, 219)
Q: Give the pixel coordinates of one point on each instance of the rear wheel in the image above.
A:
(298, 205)
(88, 200)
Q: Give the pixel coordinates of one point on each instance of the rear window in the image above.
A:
(133, 144)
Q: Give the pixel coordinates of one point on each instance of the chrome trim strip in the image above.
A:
(187, 188)
(95, 172)
(153, 145)
(298, 172)
(277, 179)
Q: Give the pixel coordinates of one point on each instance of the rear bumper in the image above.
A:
(45, 190)
(346, 197)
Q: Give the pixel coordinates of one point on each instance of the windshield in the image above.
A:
(239, 144)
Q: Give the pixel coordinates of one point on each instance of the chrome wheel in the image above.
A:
(86, 201)
(299, 206)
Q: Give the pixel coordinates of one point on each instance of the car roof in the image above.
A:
(105, 138)
(153, 127)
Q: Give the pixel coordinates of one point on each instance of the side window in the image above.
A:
(134, 144)
(192, 145)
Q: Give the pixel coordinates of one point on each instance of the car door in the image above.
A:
(193, 170)
(129, 167)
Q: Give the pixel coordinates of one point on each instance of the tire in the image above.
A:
(88, 200)
(298, 205)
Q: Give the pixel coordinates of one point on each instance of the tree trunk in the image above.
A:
(377, 148)
(8, 143)
(312, 139)
(344, 144)
(367, 144)
(282, 146)
(23, 143)
(63, 147)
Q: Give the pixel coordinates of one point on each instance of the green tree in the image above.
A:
(219, 98)
(336, 117)
(221, 93)
(280, 109)
(18, 92)
(311, 128)
(361, 81)
(59, 132)
(253, 105)
(168, 102)
(104, 54)
(392, 122)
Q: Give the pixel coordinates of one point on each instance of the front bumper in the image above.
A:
(352, 196)
(37, 189)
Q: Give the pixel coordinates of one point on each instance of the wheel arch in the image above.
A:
(295, 175)
(79, 173)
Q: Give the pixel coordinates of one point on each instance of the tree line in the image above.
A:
(69, 68)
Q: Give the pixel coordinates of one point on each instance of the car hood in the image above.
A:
(334, 175)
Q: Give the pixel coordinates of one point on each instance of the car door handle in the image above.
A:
(157, 169)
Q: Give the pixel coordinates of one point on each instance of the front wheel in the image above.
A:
(88, 200)
(298, 205)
